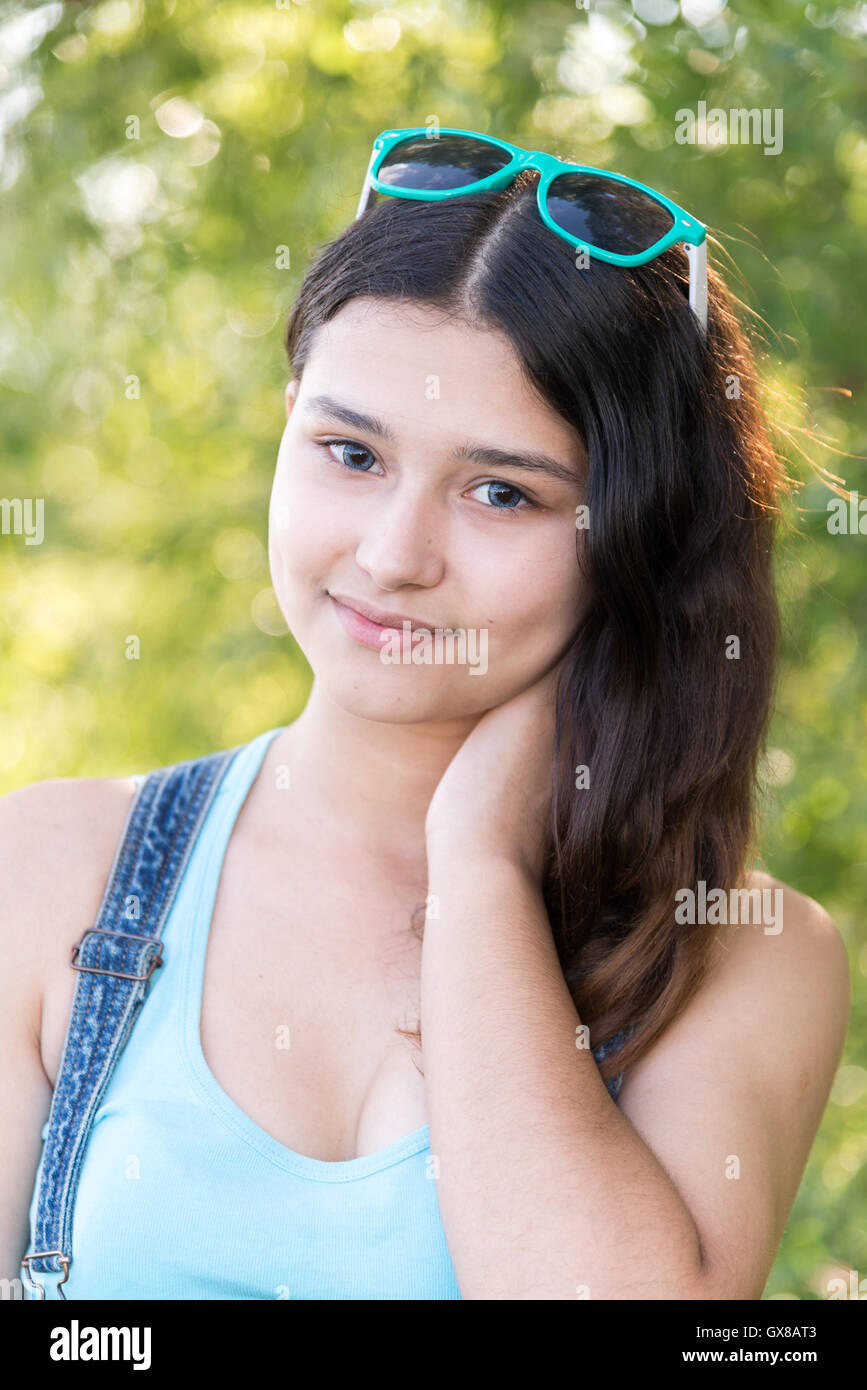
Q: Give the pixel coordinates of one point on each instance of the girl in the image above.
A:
(465, 988)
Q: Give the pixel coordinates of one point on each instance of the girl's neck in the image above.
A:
(372, 780)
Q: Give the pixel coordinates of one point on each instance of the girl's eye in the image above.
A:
(349, 456)
(499, 496)
(504, 497)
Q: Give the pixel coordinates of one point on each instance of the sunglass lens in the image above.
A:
(607, 213)
(451, 161)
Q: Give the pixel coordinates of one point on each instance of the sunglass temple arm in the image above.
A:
(697, 257)
(368, 196)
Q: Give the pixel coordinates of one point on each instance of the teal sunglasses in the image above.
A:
(611, 217)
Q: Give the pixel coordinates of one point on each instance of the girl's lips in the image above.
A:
(366, 631)
(384, 617)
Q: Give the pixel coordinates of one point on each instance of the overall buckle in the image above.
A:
(156, 959)
(39, 1289)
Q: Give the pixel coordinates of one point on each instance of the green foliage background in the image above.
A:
(153, 252)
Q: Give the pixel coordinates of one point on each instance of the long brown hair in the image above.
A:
(667, 689)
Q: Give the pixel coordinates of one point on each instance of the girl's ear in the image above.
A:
(290, 393)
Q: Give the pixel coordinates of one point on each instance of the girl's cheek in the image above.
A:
(304, 539)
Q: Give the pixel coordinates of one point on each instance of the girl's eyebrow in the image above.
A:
(470, 452)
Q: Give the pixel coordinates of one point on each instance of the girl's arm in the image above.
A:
(25, 1091)
(57, 841)
(548, 1190)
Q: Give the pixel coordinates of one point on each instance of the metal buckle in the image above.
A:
(156, 959)
(38, 1255)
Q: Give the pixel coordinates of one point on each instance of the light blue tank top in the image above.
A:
(182, 1196)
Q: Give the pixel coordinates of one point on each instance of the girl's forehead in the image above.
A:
(406, 366)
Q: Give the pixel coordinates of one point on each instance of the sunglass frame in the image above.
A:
(684, 228)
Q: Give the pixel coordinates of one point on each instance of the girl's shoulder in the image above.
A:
(768, 919)
(57, 840)
(778, 972)
(57, 843)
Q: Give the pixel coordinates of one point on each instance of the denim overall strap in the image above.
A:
(115, 959)
(605, 1049)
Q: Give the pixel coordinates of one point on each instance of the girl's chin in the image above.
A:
(401, 696)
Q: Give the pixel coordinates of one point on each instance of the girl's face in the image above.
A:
(420, 476)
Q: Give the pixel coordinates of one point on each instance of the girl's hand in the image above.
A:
(494, 798)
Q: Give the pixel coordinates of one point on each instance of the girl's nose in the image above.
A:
(401, 543)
